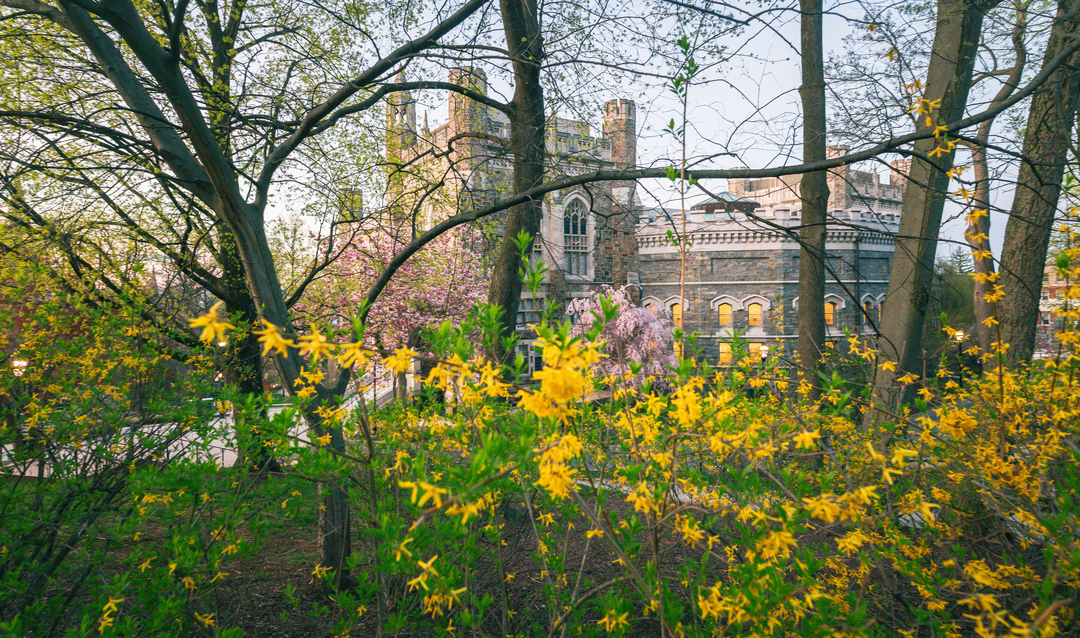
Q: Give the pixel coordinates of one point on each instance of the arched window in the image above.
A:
(754, 314)
(868, 310)
(723, 312)
(653, 309)
(725, 354)
(575, 239)
(830, 313)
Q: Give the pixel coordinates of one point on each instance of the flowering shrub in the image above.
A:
(636, 343)
(699, 512)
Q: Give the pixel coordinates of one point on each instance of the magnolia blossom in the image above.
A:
(635, 334)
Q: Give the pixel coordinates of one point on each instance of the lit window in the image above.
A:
(575, 239)
(754, 312)
(867, 310)
(724, 315)
(676, 318)
(725, 354)
(830, 314)
(653, 309)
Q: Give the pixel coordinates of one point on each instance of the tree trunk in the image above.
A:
(244, 366)
(1038, 187)
(521, 25)
(814, 190)
(978, 238)
(948, 81)
(978, 227)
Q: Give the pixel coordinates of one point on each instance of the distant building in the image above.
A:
(587, 234)
(848, 189)
(742, 273)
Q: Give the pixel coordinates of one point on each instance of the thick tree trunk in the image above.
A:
(952, 58)
(521, 25)
(244, 366)
(814, 190)
(1038, 187)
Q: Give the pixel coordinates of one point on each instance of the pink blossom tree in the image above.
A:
(443, 281)
(635, 335)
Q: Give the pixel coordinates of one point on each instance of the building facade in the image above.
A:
(587, 233)
(742, 274)
(743, 257)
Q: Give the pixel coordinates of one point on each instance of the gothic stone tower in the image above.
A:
(616, 245)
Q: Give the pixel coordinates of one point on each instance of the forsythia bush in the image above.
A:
(520, 509)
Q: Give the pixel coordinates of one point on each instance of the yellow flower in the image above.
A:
(594, 532)
(352, 354)
(777, 544)
(323, 440)
(400, 361)
(145, 566)
(207, 620)
(314, 344)
(402, 549)
(306, 392)
(806, 438)
(110, 606)
(272, 340)
(213, 324)
(612, 620)
(320, 571)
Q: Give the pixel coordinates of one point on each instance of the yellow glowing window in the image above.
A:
(754, 312)
(724, 315)
(725, 353)
(676, 314)
(868, 310)
(652, 308)
(830, 314)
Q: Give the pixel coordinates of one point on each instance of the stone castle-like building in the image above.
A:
(742, 272)
(587, 234)
(743, 260)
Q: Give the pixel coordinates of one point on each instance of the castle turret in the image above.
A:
(620, 126)
(738, 185)
(400, 118)
(466, 114)
(839, 179)
(899, 174)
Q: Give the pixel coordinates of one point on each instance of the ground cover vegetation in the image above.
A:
(761, 498)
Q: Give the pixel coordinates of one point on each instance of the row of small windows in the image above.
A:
(755, 314)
